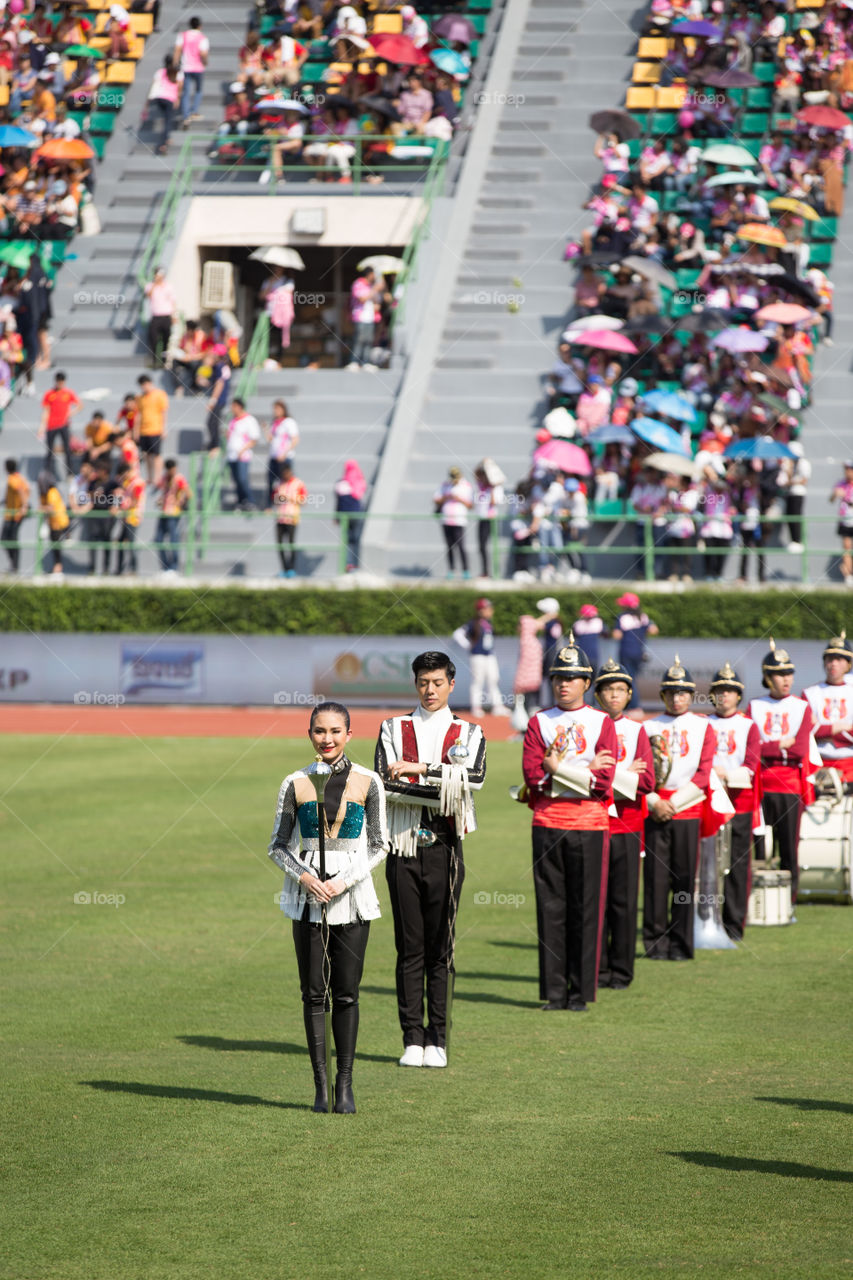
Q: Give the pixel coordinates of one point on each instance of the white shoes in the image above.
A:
(435, 1056)
(413, 1056)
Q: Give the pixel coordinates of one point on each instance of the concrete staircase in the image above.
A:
(512, 291)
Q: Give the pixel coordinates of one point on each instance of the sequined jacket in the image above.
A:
(356, 842)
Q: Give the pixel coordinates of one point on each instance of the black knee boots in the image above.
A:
(315, 1032)
(345, 1028)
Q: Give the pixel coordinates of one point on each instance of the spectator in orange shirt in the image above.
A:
(58, 408)
(132, 496)
(50, 501)
(99, 434)
(290, 496)
(15, 509)
(175, 495)
(149, 429)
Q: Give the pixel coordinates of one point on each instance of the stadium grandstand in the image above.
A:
(519, 290)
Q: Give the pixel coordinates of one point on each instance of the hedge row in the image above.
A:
(789, 615)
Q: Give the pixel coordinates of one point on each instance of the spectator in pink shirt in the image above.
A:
(162, 306)
(364, 298)
(593, 407)
(191, 52)
(163, 99)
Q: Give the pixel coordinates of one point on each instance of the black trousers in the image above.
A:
(672, 852)
(454, 536)
(619, 930)
(421, 904)
(484, 542)
(347, 945)
(60, 435)
(126, 537)
(286, 534)
(782, 812)
(11, 532)
(736, 896)
(568, 869)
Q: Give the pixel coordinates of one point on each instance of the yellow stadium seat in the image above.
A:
(387, 24)
(671, 97)
(136, 48)
(639, 99)
(653, 47)
(141, 24)
(646, 72)
(120, 73)
(4, 95)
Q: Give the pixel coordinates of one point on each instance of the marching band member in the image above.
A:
(683, 745)
(633, 778)
(784, 725)
(569, 757)
(736, 764)
(831, 704)
(356, 841)
(415, 757)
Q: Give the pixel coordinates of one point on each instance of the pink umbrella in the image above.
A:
(559, 455)
(785, 313)
(605, 340)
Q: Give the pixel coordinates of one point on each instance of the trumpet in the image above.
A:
(559, 747)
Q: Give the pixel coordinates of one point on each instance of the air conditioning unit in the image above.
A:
(217, 286)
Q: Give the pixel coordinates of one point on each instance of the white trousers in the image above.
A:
(484, 677)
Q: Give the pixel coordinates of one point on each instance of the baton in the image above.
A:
(319, 773)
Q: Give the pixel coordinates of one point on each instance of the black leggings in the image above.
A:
(752, 540)
(454, 536)
(484, 538)
(347, 945)
(286, 533)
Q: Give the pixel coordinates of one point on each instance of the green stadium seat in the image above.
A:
(760, 99)
(99, 142)
(111, 97)
(821, 254)
(753, 124)
(313, 72)
(826, 229)
(764, 71)
(102, 122)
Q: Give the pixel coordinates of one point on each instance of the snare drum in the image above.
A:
(824, 853)
(770, 898)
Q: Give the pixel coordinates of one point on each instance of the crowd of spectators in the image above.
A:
(678, 389)
(307, 87)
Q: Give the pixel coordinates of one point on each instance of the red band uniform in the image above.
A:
(737, 754)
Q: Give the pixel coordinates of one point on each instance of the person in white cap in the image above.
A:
(632, 627)
(414, 26)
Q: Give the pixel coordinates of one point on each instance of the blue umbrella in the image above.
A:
(659, 435)
(669, 404)
(13, 136)
(610, 433)
(764, 447)
(450, 61)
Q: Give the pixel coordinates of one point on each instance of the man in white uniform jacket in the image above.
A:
(429, 762)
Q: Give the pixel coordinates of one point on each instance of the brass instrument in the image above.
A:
(662, 758)
(560, 746)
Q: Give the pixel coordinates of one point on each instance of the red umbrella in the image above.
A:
(400, 49)
(605, 340)
(560, 455)
(823, 117)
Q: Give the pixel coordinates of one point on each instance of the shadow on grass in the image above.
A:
(812, 1104)
(474, 997)
(519, 946)
(743, 1164)
(266, 1046)
(499, 977)
(193, 1095)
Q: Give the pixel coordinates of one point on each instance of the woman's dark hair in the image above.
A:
(432, 660)
(337, 707)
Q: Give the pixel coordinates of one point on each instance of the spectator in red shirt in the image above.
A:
(58, 407)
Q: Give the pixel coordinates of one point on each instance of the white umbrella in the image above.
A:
(282, 104)
(672, 462)
(382, 263)
(278, 256)
(592, 322)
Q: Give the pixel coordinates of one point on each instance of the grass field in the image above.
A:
(157, 1089)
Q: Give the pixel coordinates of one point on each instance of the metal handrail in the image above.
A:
(197, 539)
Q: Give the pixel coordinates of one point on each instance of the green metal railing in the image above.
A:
(195, 538)
(179, 186)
